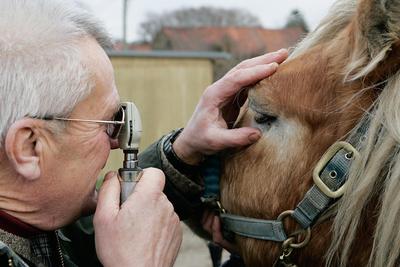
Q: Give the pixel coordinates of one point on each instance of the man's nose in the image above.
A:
(114, 144)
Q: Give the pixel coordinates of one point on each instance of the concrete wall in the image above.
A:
(166, 91)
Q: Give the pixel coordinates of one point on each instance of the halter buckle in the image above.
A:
(329, 154)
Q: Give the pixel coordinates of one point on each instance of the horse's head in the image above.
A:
(348, 64)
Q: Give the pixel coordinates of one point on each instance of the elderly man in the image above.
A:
(53, 65)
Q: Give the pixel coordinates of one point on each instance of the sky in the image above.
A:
(272, 13)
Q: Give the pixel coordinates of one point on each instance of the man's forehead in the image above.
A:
(103, 100)
(95, 58)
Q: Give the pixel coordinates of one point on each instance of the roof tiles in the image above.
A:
(244, 41)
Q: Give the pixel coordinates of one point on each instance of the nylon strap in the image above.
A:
(254, 228)
(315, 202)
(211, 173)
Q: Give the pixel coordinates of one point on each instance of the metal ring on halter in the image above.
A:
(220, 208)
(286, 245)
(289, 241)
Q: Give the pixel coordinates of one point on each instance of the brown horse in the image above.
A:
(346, 70)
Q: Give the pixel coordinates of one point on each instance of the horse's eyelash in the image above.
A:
(262, 118)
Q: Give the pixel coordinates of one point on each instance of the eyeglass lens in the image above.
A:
(113, 130)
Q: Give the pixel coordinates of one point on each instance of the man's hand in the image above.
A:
(212, 225)
(144, 231)
(207, 131)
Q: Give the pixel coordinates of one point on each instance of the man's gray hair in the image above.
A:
(41, 69)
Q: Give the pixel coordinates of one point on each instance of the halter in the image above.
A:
(329, 176)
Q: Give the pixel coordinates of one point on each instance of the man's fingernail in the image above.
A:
(110, 175)
(254, 137)
(274, 65)
(282, 51)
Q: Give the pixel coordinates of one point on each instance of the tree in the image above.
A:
(196, 17)
(296, 19)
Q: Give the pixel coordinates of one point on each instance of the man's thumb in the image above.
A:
(108, 200)
(238, 137)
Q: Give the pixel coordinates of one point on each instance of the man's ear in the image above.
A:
(23, 149)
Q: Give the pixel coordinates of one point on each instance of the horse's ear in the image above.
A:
(379, 23)
(377, 34)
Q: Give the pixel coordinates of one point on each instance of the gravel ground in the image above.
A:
(194, 251)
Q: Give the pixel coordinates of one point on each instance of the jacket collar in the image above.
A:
(15, 226)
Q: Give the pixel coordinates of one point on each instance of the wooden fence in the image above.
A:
(165, 86)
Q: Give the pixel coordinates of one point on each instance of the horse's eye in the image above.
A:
(261, 118)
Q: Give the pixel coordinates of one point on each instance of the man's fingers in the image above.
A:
(108, 199)
(216, 230)
(205, 216)
(233, 82)
(218, 237)
(246, 73)
(236, 137)
(152, 181)
(207, 221)
(277, 56)
(149, 187)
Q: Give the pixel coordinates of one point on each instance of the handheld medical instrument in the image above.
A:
(129, 139)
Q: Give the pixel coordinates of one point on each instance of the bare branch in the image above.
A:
(196, 17)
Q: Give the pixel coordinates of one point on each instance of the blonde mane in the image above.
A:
(375, 177)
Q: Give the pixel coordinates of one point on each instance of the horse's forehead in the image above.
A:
(304, 88)
(308, 68)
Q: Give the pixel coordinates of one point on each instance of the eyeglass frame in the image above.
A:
(111, 135)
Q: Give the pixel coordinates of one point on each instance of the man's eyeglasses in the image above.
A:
(113, 127)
